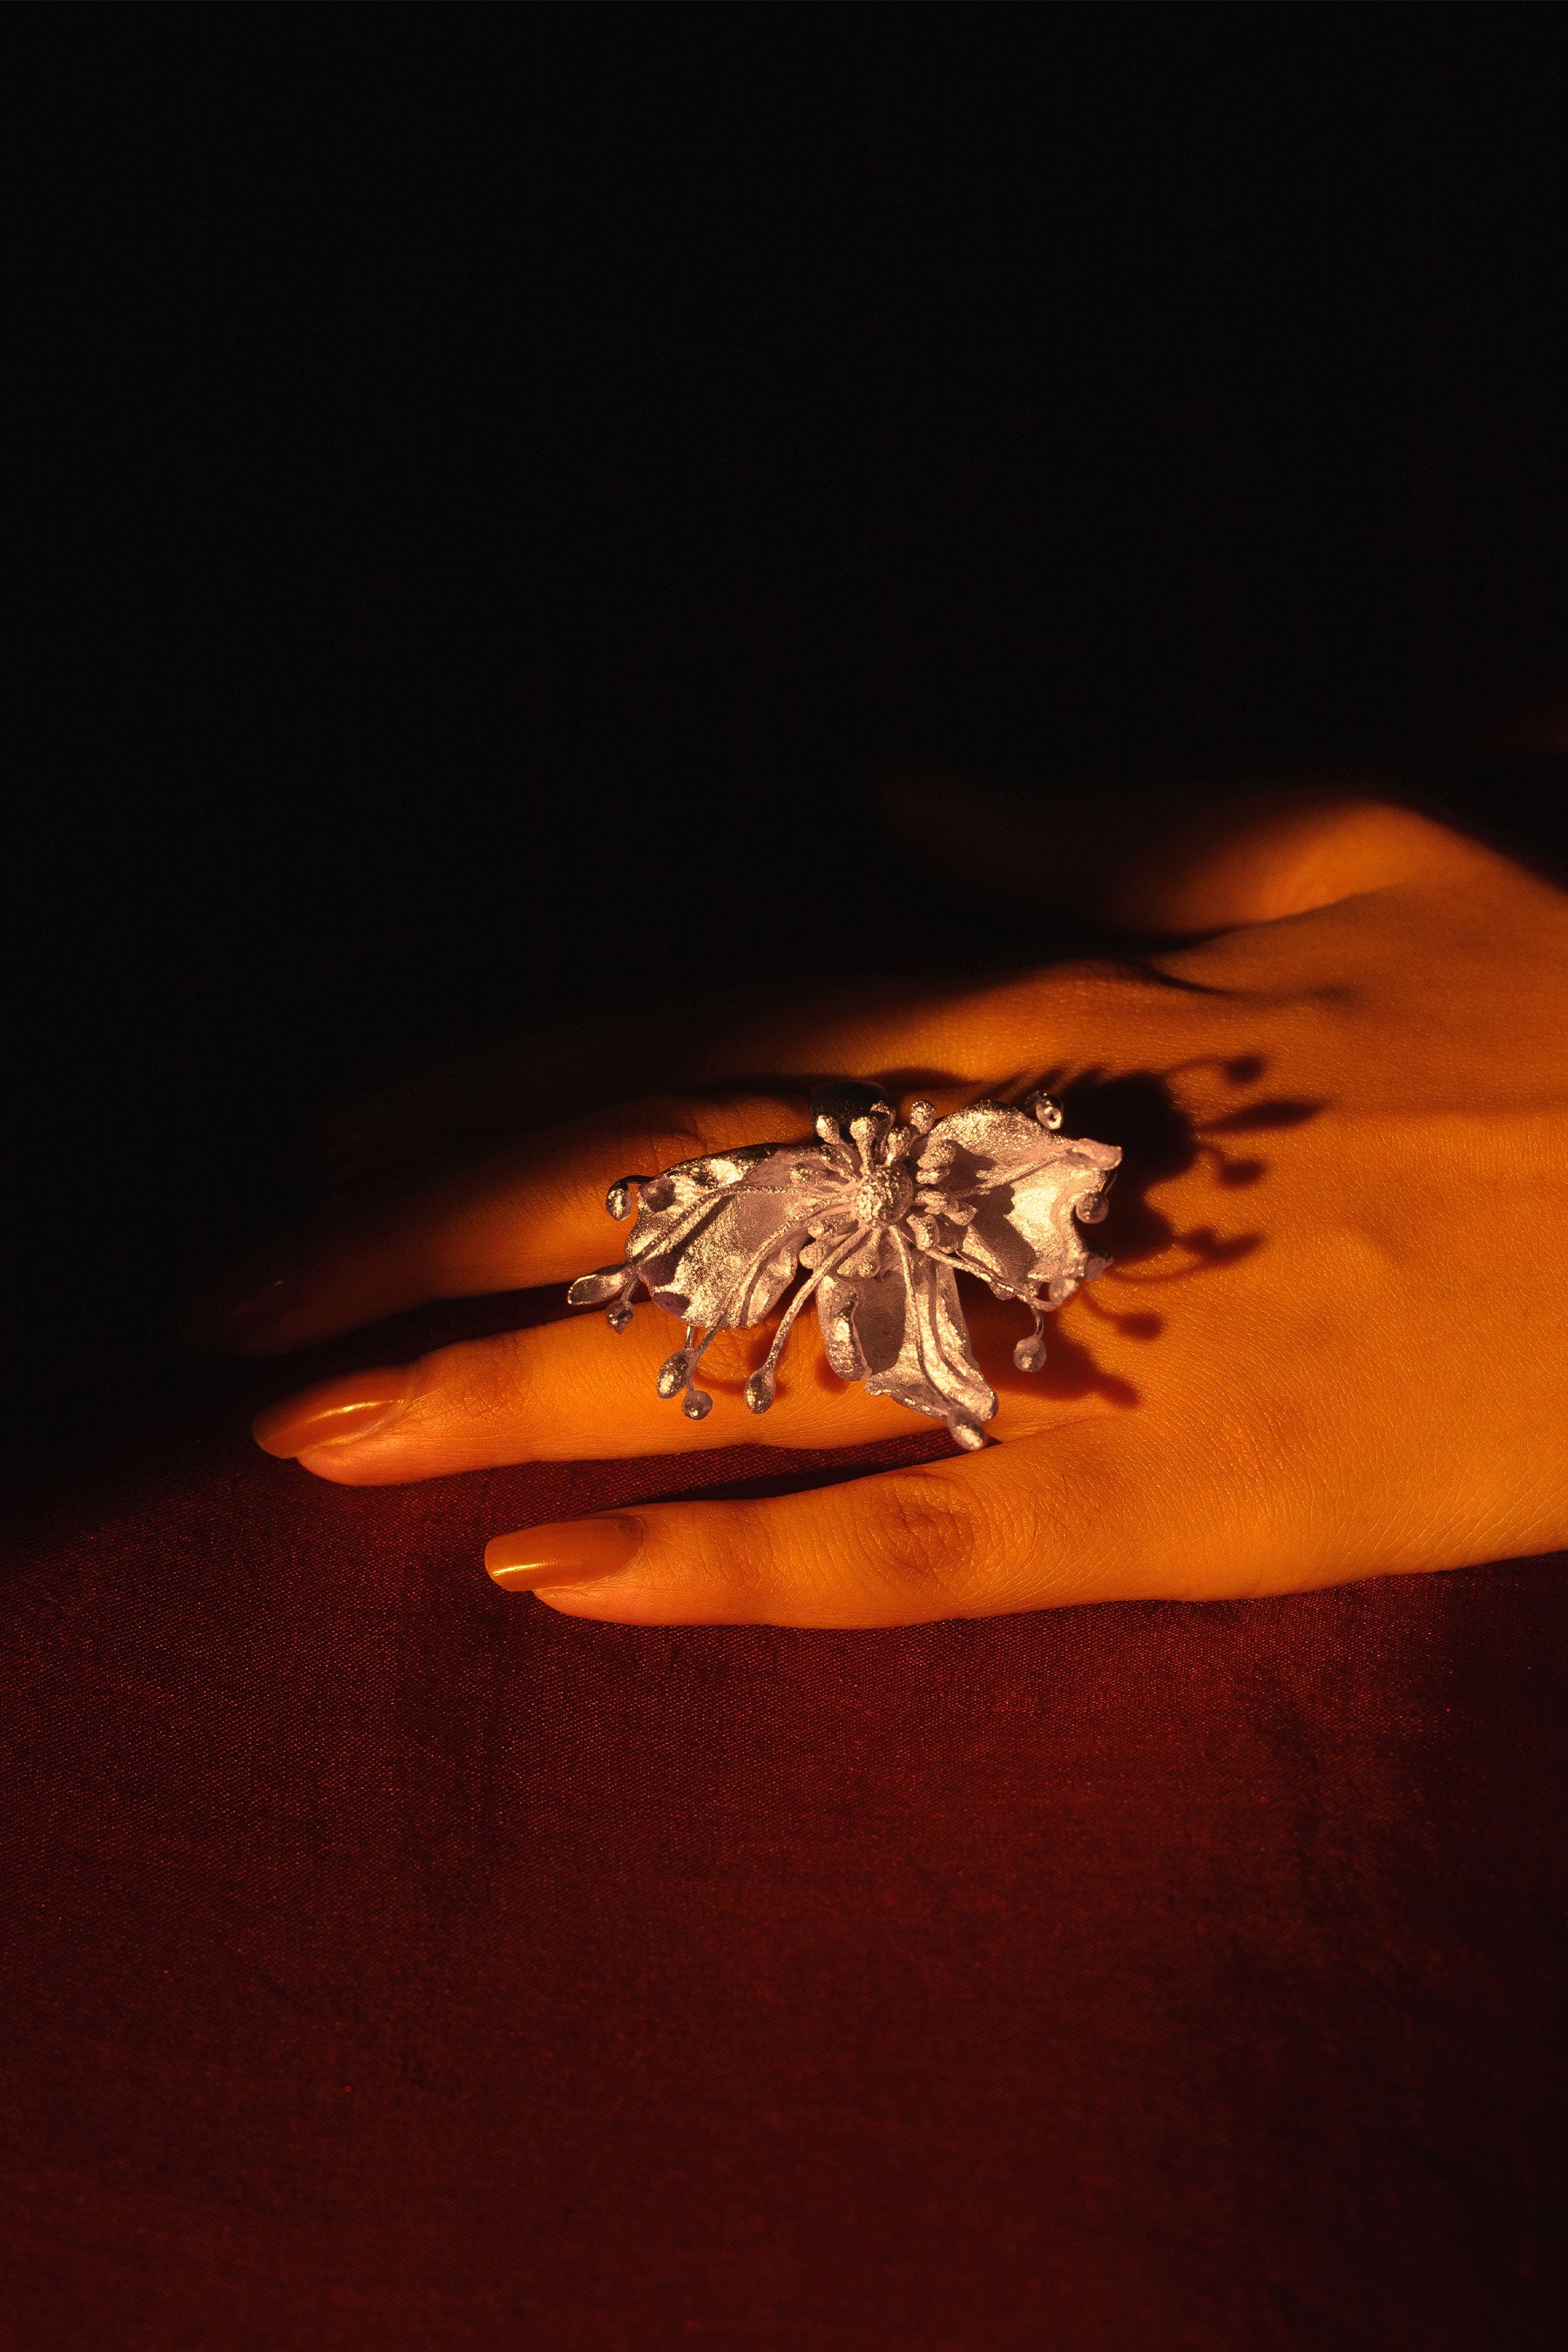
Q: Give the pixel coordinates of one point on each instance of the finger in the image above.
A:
(1147, 861)
(532, 1214)
(572, 1390)
(494, 1092)
(575, 1390)
(1266, 858)
(1081, 1514)
(435, 1105)
(1146, 1505)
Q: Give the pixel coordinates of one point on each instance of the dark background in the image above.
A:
(496, 486)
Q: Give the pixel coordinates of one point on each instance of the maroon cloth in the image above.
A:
(395, 1963)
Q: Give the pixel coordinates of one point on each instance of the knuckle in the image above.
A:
(741, 1559)
(477, 1383)
(928, 1536)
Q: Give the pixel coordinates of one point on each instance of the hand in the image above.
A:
(1355, 1363)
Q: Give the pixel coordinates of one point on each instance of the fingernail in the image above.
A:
(569, 1551)
(238, 1304)
(340, 1413)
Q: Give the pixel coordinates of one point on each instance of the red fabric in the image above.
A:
(394, 1963)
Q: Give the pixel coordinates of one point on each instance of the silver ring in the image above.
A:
(883, 1216)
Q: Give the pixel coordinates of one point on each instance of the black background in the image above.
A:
(495, 486)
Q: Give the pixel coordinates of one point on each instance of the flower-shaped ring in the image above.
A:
(883, 1216)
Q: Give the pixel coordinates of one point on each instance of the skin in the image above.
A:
(1333, 1343)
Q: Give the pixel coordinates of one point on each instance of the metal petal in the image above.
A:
(717, 1240)
(900, 1327)
(1028, 1187)
(843, 1101)
(598, 1289)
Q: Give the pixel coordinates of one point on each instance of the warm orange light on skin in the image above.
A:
(338, 1413)
(1259, 862)
(1335, 1343)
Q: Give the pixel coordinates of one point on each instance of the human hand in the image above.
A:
(1355, 1363)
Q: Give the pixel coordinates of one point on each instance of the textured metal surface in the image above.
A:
(883, 1216)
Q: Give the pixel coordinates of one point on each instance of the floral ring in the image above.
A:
(883, 1216)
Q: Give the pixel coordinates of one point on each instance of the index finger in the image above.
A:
(531, 1214)
(534, 1212)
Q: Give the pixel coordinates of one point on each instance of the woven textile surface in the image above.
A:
(392, 1962)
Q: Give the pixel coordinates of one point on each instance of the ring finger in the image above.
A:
(573, 1391)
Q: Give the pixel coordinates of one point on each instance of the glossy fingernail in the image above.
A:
(569, 1551)
(340, 1413)
(237, 1305)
